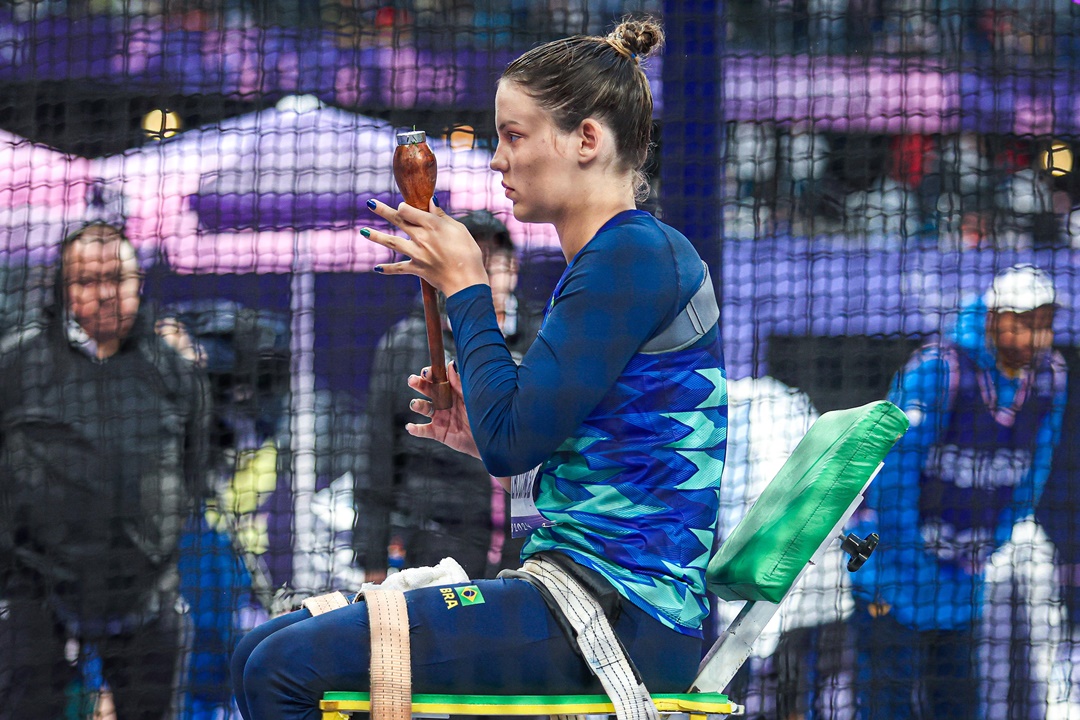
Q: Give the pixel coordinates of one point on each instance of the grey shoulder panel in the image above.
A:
(697, 318)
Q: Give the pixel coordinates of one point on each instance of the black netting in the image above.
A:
(856, 172)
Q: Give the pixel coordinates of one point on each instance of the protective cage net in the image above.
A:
(885, 161)
(856, 172)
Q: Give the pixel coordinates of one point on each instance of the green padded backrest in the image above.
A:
(801, 506)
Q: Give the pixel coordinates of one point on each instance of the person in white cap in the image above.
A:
(985, 403)
(1019, 322)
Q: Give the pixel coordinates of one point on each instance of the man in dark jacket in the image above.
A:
(420, 501)
(103, 443)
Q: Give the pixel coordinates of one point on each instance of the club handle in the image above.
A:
(442, 396)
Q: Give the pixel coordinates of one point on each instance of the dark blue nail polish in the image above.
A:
(378, 269)
(371, 204)
(424, 373)
(435, 199)
(366, 232)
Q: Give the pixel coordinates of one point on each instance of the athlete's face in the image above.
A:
(531, 156)
(1020, 338)
(102, 278)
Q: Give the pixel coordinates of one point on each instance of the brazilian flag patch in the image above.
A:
(470, 595)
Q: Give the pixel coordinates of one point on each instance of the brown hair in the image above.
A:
(590, 76)
(81, 230)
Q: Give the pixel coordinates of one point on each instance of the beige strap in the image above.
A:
(391, 671)
(325, 603)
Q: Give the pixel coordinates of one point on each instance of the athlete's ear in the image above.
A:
(591, 137)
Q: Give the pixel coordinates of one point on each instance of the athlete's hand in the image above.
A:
(451, 426)
(439, 248)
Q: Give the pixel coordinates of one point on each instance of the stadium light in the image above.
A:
(159, 124)
(462, 137)
(1058, 160)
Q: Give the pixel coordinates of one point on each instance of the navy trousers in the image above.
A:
(501, 640)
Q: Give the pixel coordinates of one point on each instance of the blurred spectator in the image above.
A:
(807, 157)
(964, 165)
(393, 27)
(492, 23)
(963, 230)
(864, 21)
(1072, 228)
(985, 405)
(589, 16)
(887, 209)
(239, 559)
(1031, 633)
(886, 214)
(751, 157)
(1026, 216)
(1022, 628)
(1059, 514)
(746, 32)
(248, 363)
(751, 168)
(911, 28)
(963, 211)
(827, 26)
(909, 158)
(423, 502)
(1018, 30)
(104, 451)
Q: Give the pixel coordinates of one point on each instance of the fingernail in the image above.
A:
(366, 232)
(435, 199)
(378, 269)
(424, 374)
(371, 204)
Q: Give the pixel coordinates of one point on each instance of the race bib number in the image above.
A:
(524, 515)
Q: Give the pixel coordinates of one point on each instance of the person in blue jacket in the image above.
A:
(985, 405)
(613, 426)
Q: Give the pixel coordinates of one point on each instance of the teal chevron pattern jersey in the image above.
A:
(634, 493)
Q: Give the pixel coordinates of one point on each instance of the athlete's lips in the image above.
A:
(507, 190)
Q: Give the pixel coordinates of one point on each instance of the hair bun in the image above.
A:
(637, 38)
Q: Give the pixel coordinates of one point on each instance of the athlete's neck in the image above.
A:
(576, 231)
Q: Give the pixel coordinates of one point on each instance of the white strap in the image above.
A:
(325, 603)
(391, 669)
(597, 641)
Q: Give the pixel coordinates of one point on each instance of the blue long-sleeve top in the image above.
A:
(921, 590)
(620, 289)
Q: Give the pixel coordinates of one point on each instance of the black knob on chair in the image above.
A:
(859, 549)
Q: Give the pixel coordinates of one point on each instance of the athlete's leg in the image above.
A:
(500, 639)
(504, 637)
(247, 645)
